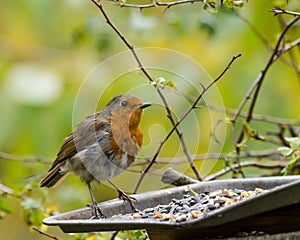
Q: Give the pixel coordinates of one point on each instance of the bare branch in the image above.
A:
(166, 5)
(175, 178)
(114, 235)
(26, 159)
(273, 165)
(4, 190)
(45, 234)
(269, 154)
(279, 10)
(291, 45)
(255, 117)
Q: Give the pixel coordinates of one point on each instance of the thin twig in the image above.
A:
(204, 90)
(273, 165)
(291, 45)
(166, 5)
(256, 117)
(269, 154)
(4, 190)
(171, 176)
(114, 235)
(26, 159)
(279, 10)
(45, 234)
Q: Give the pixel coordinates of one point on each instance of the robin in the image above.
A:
(102, 146)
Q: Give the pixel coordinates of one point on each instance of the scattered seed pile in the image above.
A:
(193, 206)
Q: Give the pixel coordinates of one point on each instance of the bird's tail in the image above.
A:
(54, 176)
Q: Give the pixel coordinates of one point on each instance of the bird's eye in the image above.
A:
(124, 103)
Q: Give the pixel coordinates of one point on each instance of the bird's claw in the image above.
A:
(123, 196)
(96, 211)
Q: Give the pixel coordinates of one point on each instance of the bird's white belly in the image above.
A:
(92, 164)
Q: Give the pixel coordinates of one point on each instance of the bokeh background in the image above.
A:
(49, 49)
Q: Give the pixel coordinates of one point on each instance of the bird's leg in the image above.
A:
(123, 196)
(96, 211)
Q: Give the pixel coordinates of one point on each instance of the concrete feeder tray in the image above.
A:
(276, 210)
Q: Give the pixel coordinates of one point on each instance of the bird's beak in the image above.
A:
(144, 105)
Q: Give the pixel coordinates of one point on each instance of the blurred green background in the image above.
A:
(49, 48)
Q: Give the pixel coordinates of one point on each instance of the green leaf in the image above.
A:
(210, 5)
(5, 208)
(290, 166)
(285, 151)
(294, 142)
(33, 212)
(291, 152)
(161, 82)
(33, 216)
(233, 3)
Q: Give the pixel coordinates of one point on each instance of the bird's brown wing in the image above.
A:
(84, 135)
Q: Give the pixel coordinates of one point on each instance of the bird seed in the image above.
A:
(193, 206)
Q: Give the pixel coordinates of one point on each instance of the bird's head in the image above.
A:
(127, 110)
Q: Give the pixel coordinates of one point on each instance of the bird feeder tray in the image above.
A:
(272, 211)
